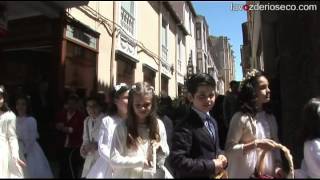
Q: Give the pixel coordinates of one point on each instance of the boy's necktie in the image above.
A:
(210, 126)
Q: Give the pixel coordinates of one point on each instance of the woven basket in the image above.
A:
(286, 151)
(222, 175)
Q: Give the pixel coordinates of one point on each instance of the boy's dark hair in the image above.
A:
(96, 99)
(233, 83)
(72, 97)
(200, 79)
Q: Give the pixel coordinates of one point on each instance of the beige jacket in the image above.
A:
(242, 130)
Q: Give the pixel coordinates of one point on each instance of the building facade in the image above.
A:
(245, 50)
(224, 59)
(143, 41)
(202, 33)
(186, 45)
(212, 67)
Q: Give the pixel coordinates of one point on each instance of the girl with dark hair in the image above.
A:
(37, 163)
(251, 129)
(119, 103)
(139, 145)
(91, 126)
(11, 166)
(311, 163)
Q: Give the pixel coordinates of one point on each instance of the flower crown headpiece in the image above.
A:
(249, 75)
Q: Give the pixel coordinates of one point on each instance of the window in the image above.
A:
(164, 33)
(125, 72)
(149, 76)
(128, 16)
(128, 6)
(260, 64)
(199, 62)
(179, 54)
(204, 37)
(190, 25)
(80, 68)
(80, 36)
(205, 64)
(164, 85)
(180, 90)
(164, 41)
(199, 55)
(198, 31)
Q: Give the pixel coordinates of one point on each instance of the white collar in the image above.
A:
(201, 114)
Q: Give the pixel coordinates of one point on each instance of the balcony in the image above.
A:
(127, 43)
(179, 66)
(164, 54)
(127, 21)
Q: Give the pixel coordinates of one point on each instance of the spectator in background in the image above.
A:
(217, 113)
(231, 102)
(165, 106)
(164, 112)
(69, 123)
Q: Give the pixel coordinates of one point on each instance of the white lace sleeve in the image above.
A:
(234, 136)
(163, 138)
(105, 139)
(12, 136)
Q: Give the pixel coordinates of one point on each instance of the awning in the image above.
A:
(51, 9)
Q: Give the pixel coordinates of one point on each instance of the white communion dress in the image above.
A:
(129, 162)
(310, 165)
(37, 163)
(90, 134)
(102, 168)
(9, 147)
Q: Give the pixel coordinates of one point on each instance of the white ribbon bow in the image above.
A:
(119, 86)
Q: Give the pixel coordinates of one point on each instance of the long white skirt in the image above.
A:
(100, 170)
(37, 163)
(8, 167)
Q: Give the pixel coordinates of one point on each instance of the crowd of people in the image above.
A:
(141, 135)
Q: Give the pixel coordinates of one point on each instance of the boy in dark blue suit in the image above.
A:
(195, 144)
